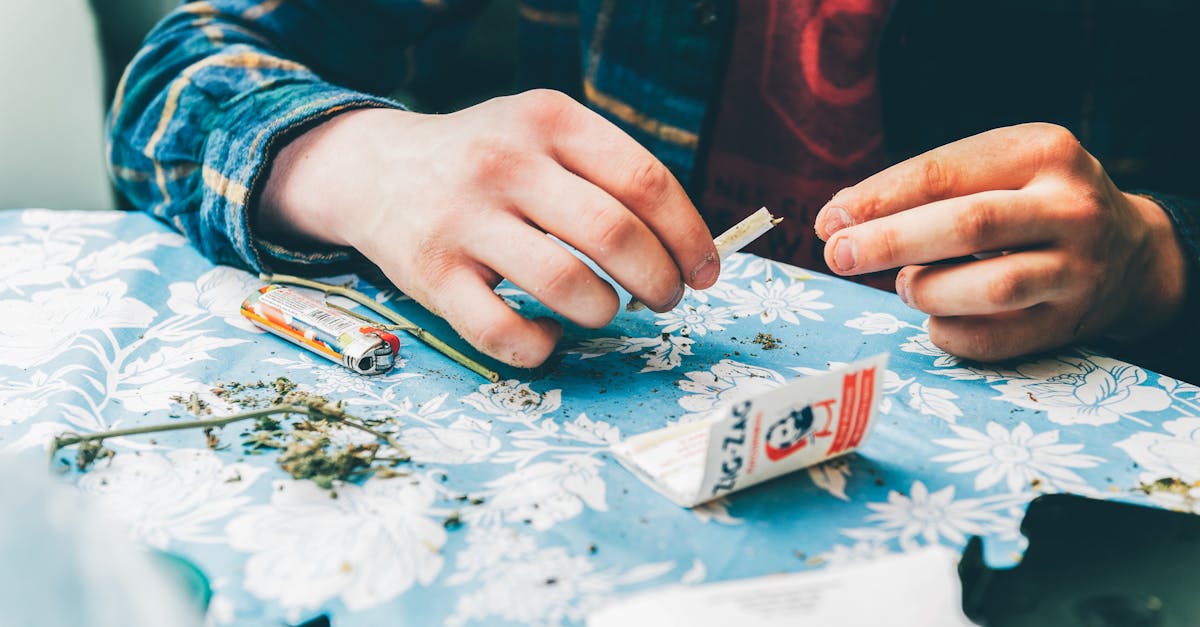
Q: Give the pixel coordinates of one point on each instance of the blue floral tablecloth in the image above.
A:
(104, 317)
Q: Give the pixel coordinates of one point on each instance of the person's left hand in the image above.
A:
(1061, 254)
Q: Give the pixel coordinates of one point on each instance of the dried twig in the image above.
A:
(91, 449)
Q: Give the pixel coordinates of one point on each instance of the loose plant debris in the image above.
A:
(767, 341)
(1172, 485)
(91, 452)
(302, 426)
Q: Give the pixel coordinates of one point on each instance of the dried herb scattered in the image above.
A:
(1175, 486)
(91, 452)
(767, 341)
(303, 426)
(211, 439)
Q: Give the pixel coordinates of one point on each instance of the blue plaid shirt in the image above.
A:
(219, 85)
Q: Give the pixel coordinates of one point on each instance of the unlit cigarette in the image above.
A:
(736, 238)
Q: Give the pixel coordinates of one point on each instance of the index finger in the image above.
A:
(596, 150)
(1004, 158)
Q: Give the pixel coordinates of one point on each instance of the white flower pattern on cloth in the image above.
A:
(688, 319)
(218, 292)
(105, 316)
(32, 332)
(27, 265)
(365, 547)
(1173, 455)
(513, 401)
(727, 382)
(524, 584)
(929, 516)
(467, 440)
(20, 400)
(778, 299)
(857, 553)
(877, 323)
(151, 382)
(1016, 458)
(661, 352)
(1073, 389)
(125, 256)
(933, 401)
(1085, 390)
(542, 494)
(177, 495)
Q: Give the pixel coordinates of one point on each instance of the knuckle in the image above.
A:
(981, 346)
(601, 313)
(937, 177)
(944, 336)
(435, 264)
(560, 281)
(1057, 144)
(976, 226)
(886, 247)
(649, 181)
(610, 229)
(493, 160)
(544, 110)
(1085, 210)
(1006, 289)
(496, 335)
(962, 339)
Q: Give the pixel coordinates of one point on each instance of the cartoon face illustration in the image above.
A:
(790, 433)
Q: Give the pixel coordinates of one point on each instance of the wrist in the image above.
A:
(313, 187)
(1159, 275)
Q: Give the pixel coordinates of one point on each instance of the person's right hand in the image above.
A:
(447, 205)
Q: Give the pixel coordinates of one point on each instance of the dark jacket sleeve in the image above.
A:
(218, 86)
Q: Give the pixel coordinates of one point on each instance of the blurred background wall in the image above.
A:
(58, 65)
(60, 61)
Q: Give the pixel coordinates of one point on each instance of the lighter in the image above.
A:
(290, 314)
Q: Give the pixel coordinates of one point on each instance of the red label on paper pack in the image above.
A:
(858, 392)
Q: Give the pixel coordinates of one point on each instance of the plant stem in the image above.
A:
(398, 321)
(325, 411)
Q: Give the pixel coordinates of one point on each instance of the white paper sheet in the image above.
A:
(916, 589)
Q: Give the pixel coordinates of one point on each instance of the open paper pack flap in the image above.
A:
(804, 422)
(916, 589)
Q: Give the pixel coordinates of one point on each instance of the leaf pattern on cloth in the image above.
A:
(513, 508)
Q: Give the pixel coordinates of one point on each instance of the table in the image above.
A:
(105, 316)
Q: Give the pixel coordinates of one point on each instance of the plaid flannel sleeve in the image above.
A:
(219, 86)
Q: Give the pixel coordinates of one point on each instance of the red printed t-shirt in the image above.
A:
(799, 119)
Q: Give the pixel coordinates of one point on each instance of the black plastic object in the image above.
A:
(1091, 563)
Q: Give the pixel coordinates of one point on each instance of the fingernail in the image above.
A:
(902, 289)
(676, 298)
(843, 254)
(834, 219)
(705, 274)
